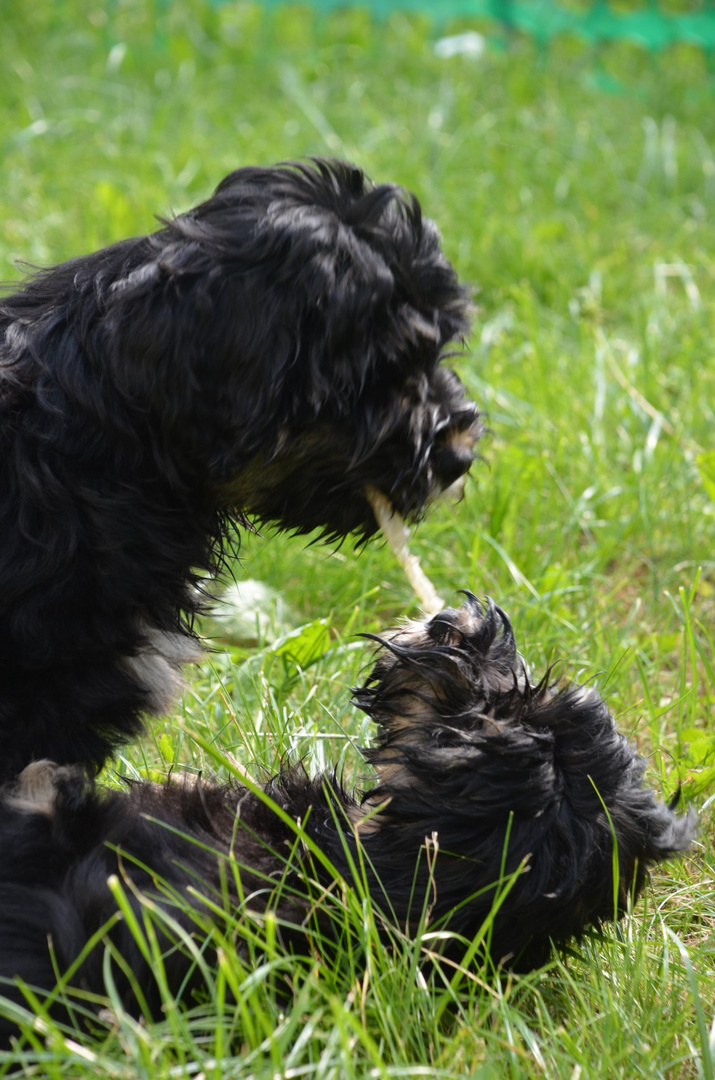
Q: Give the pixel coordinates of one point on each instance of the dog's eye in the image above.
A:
(442, 629)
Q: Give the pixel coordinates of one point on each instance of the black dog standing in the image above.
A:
(266, 356)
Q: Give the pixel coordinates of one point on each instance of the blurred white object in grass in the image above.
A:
(468, 44)
(247, 613)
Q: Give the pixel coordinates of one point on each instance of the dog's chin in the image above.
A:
(449, 493)
(316, 488)
(333, 519)
(316, 482)
(347, 511)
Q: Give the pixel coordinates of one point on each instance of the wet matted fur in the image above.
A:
(266, 356)
(488, 786)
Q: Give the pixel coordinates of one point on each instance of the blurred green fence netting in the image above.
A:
(651, 25)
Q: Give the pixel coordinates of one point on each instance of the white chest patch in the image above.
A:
(157, 666)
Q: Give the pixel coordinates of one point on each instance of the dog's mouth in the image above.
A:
(450, 467)
(397, 534)
(450, 460)
(315, 479)
(454, 492)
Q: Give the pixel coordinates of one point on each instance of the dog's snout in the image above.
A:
(453, 457)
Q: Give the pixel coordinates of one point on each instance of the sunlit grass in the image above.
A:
(575, 191)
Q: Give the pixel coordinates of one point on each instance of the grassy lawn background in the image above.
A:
(576, 191)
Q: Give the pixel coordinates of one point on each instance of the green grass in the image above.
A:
(576, 191)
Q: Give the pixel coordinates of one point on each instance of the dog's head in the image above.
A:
(286, 338)
(527, 789)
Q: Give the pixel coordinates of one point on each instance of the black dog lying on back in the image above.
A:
(266, 356)
(487, 784)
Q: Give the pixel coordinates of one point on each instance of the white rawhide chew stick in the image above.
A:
(397, 534)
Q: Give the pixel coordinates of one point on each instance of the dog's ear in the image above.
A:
(386, 299)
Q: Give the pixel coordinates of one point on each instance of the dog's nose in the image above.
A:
(453, 459)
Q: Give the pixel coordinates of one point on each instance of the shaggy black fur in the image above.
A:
(483, 777)
(265, 356)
